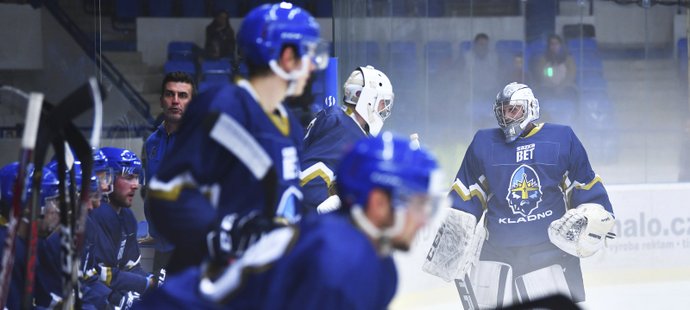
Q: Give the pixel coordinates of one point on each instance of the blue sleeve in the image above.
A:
(469, 191)
(587, 187)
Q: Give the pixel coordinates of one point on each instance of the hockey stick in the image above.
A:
(466, 292)
(33, 117)
(57, 118)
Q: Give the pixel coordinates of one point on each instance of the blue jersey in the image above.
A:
(527, 184)
(48, 276)
(157, 145)
(230, 157)
(329, 135)
(115, 247)
(323, 263)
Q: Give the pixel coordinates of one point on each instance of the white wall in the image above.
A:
(20, 32)
(624, 25)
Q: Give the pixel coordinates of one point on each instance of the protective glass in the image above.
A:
(318, 53)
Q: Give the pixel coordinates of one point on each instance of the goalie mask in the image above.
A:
(371, 92)
(515, 108)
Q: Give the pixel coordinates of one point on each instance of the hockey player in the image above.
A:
(368, 101)
(238, 148)
(544, 209)
(340, 260)
(113, 228)
(48, 220)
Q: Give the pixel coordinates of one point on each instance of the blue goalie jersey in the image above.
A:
(230, 156)
(329, 135)
(323, 263)
(527, 184)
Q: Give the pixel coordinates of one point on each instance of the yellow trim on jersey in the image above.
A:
(534, 130)
(316, 173)
(467, 194)
(589, 185)
(281, 122)
(3, 220)
(169, 195)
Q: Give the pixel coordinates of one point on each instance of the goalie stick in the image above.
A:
(61, 130)
(29, 137)
(466, 292)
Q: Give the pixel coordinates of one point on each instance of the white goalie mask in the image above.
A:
(515, 108)
(371, 92)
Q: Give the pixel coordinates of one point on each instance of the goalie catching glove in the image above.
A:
(581, 231)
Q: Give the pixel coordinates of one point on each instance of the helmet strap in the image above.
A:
(290, 77)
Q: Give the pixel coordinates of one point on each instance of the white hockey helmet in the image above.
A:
(371, 92)
(515, 108)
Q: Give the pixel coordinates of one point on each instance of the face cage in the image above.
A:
(387, 108)
(512, 105)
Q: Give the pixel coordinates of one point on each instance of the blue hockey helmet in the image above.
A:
(102, 171)
(409, 174)
(50, 190)
(391, 163)
(8, 176)
(267, 29)
(123, 162)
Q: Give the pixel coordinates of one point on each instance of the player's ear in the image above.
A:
(378, 208)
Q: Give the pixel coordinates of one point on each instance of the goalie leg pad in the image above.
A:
(492, 284)
(541, 283)
(456, 246)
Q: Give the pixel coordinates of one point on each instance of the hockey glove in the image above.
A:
(235, 234)
(582, 231)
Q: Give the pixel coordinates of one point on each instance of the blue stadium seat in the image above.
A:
(509, 46)
(254, 3)
(142, 229)
(682, 56)
(588, 44)
(590, 61)
(216, 70)
(127, 9)
(593, 82)
(465, 46)
(193, 8)
(160, 8)
(182, 50)
(366, 52)
(402, 56)
(439, 56)
(180, 65)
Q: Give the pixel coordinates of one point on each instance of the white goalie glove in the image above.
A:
(456, 247)
(581, 231)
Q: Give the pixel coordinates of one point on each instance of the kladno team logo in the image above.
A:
(524, 193)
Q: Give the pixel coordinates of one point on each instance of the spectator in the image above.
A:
(176, 92)
(482, 63)
(555, 71)
(220, 37)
